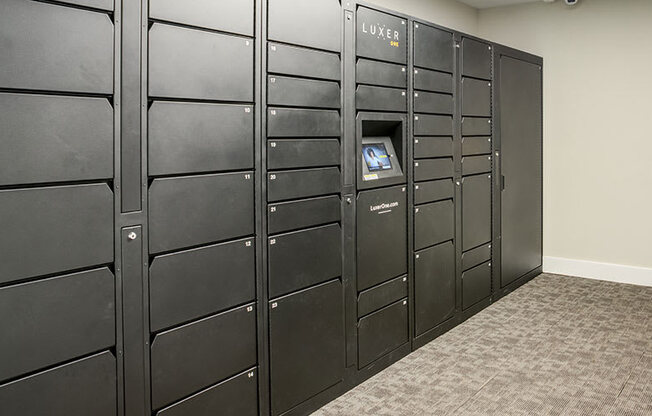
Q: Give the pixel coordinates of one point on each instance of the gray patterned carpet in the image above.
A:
(556, 346)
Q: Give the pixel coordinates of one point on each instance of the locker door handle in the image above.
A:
(502, 182)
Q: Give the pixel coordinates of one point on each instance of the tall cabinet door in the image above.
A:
(521, 144)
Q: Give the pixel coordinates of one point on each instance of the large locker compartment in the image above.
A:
(57, 282)
(201, 207)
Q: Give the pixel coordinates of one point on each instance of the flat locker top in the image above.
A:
(381, 36)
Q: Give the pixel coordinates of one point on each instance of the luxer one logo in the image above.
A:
(383, 206)
(381, 32)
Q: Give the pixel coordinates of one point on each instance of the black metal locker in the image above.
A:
(430, 102)
(302, 153)
(371, 300)
(380, 99)
(381, 332)
(433, 48)
(434, 281)
(433, 147)
(433, 81)
(476, 285)
(476, 126)
(235, 16)
(476, 145)
(381, 36)
(293, 60)
(476, 59)
(300, 92)
(428, 169)
(476, 211)
(303, 183)
(431, 125)
(288, 216)
(316, 24)
(293, 122)
(433, 191)
(433, 223)
(476, 97)
(380, 73)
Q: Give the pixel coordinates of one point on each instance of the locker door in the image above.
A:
(520, 127)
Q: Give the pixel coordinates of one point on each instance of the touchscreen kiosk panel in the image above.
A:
(376, 157)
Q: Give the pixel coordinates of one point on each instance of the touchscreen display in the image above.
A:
(375, 154)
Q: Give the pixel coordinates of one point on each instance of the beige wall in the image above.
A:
(449, 13)
(597, 122)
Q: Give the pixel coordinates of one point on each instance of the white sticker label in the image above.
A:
(371, 177)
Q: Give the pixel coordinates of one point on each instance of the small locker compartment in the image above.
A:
(476, 97)
(427, 169)
(431, 102)
(433, 191)
(476, 146)
(98, 4)
(433, 223)
(287, 216)
(302, 183)
(434, 281)
(381, 213)
(183, 64)
(430, 125)
(83, 387)
(379, 296)
(475, 126)
(183, 211)
(199, 137)
(380, 73)
(237, 396)
(472, 165)
(314, 23)
(302, 153)
(54, 320)
(189, 358)
(433, 48)
(382, 332)
(54, 139)
(300, 92)
(294, 122)
(236, 16)
(50, 47)
(433, 81)
(306, 343)
(304, 258)
(476, 284)
(381, 36)
(292, 60)
(476, 59)
(54, 229)
(476, 211)
(380, 99)
(194, 283)
(433, 146)
(476, 256)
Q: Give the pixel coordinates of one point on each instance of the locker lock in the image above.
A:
(348, 200)
(132, 235)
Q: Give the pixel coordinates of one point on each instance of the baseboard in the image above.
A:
(620, 273)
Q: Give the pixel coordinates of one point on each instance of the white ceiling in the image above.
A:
(485, 4)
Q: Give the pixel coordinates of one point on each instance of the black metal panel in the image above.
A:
(381, 73)
(300, 92)
(306, 336)
(289, 122)
(380, 99)
(520, 138)
(96, 4)
(188, 63)
(476, 97)
(314, 23)
(476, 285)
(433, 191)
(83, 387)
(476, 256)
(382, 295)
(235, 16)
(54, 320)
(476, 59)
(195, 210)
(476, 164)
(434, 286)
(476, 145)
(194, 356)
(474, 126)
(236, 396)
(293, 215)
(381, 36)
(430, 102)
(304, 258)
(382, 332)
(291, 60)
(50, 230)
(302, 183)
(433, 147)
(49, 47)
(428, 169)
(429, 125)
(381, 212)
(199, 137)
(433, 48)
(52, 139)
(433, 223)
(433, 81)
(191, 284)
(476, 211)
(298, 153)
